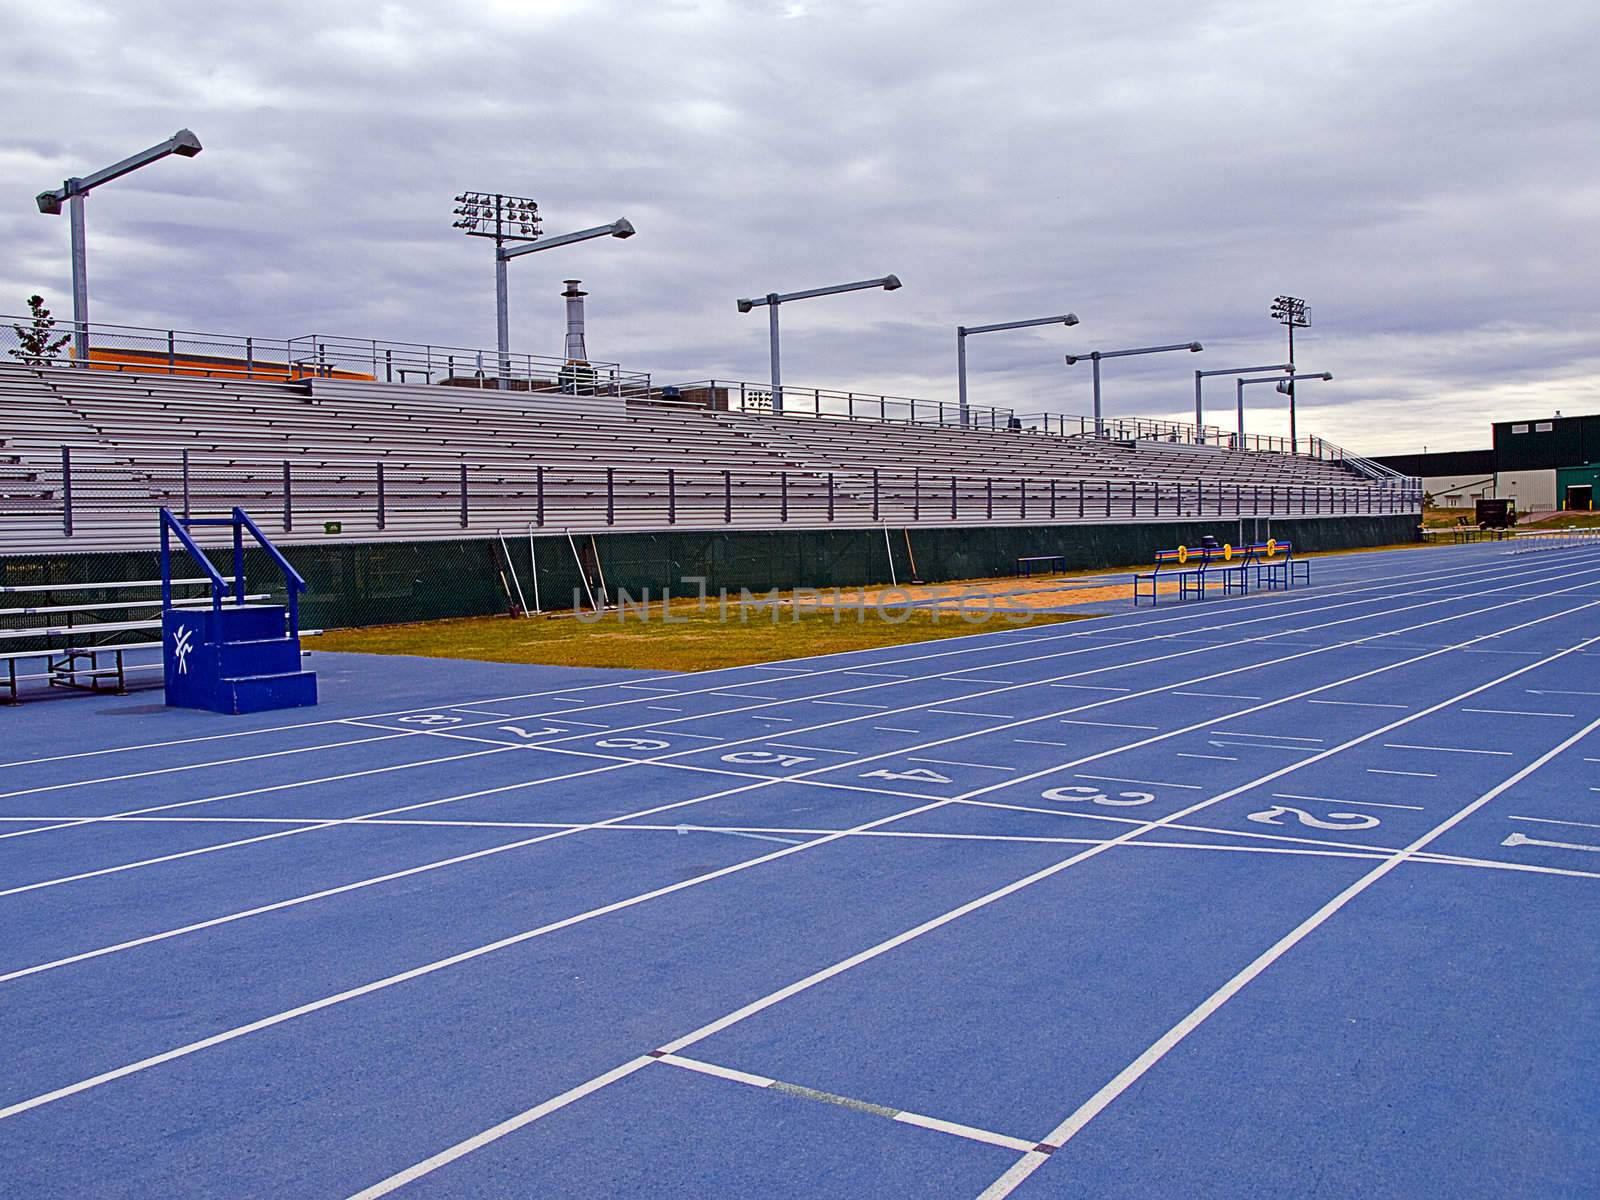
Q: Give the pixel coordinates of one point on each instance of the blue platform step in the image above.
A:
(232, 657)
(235, 659)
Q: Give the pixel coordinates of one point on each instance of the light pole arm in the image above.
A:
(1063, 319)
(1194, 347)
(620, 228)
(887, 282)
(183, 143)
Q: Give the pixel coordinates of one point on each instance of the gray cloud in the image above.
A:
(1422, 172)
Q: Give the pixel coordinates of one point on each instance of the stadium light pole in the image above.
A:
(1292, 313)
(1094, 356)
(1286, 386)
(1199, 419)
(963, 331)
(71, 192)
(515, 220)
(773, 299)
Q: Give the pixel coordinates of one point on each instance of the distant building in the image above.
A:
(1541, 464)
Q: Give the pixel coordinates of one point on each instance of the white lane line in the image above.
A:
(1109, 725)
(1522, 839)
(1411, 774)
(479, 712)
(843, 703)
(1222, 745)
(1193, 787)
(950, 762)
(645, 687)
(392, 735)
(977, 679)
(816, 749)
(1136, 1070)
(1359, 704)
(781, 720)
(1517, 712)
(260, 791)
(1360, 803)
(1217, 695)
(1213, 757)
(684, 733)
(894, 729)
(661, 708)
(970, 1132)
(1090, 687)
(730, 693)
(1444, 749)
(956, 712)
(1315, 847)
(1557, 692)
(1553, 821)
(877, 674)
(744, 833)
(495, 1132)
(1300, 844)
(1276, 737)
(1040, 742)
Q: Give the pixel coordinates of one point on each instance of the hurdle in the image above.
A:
(1236, 568)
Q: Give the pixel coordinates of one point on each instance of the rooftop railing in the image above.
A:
(187, 352)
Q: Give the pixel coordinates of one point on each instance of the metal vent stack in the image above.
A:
(576, 352)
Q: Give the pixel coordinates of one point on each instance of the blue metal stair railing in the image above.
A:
(239, 521)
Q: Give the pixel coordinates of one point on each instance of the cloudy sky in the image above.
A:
(1424, 172)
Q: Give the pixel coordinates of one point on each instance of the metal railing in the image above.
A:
(1128, 429)
(1325, 450)
(731, 395)
(185, 352)
(84, 500)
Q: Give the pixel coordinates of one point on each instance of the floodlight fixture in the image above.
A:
(494, 215)
(1094, 356)
(71, 193)
(1291, 311)
(964, 331)
(773, 300)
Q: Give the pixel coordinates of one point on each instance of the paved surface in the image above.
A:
(1287, 895)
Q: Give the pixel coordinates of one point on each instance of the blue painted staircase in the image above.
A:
(233, 656)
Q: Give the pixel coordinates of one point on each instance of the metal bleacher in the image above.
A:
(87, 457)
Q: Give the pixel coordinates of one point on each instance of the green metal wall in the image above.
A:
(374, 583)
(1567, 476)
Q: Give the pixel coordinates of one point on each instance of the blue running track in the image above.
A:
(1288, 895)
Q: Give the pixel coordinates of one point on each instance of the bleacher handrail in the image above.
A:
(1325, 450)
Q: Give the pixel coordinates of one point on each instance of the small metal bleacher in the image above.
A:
(83, 643)
(1239, 568)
